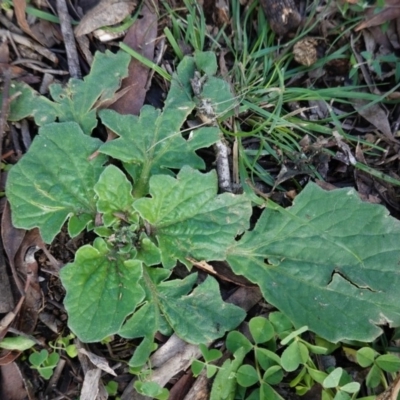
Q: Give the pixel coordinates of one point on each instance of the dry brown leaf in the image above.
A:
(106, 13)
(376, 116)
(12, 383)
(19, 8)
(141, 38)
(4, 53)
(390, 11)
(20, 247)
(6, 296)
(47, 32)
(99, 362)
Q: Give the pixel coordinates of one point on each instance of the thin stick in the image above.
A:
(69, 39)
(223, 171)
(5, 106)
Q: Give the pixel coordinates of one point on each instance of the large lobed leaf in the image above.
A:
(55, 180)
(153, 143)
(78, 100)
(198, 317)
(189, 219)
(330, 262)
(102, 289)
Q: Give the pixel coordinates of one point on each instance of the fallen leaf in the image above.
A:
(6, 296)
(19, 8)
(390, 11)
(47, 33)
(99, 362)
(375, 115)
(106, 13)
(12, 386)
(141, 38)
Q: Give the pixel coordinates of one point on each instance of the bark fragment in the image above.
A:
(282, 15)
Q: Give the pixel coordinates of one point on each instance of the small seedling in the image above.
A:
(378, 364)
(112, 388)
(64, 343)
(151, 389)
(44, 362)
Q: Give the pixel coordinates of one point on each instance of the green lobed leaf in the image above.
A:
(78, 99)
(197, 318)
(152, 143)
(219, 95)
(202, 316)
(189, 219)
(114, 195)
(330, 257)
(146, 320)
(206, 62)
(55, 180)
(102, 289)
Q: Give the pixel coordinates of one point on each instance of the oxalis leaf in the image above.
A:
(330, 262)
(55, 180)
(189, 219)
(78, 100)
(102, 289)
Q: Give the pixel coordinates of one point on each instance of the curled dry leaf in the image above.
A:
(106, 13)
(19, 8)
(305, 51)
(389, 12)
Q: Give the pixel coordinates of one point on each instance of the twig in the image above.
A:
(5, 106)
(69, 39)
(32, 64)
(30, 44)
(224, 174)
